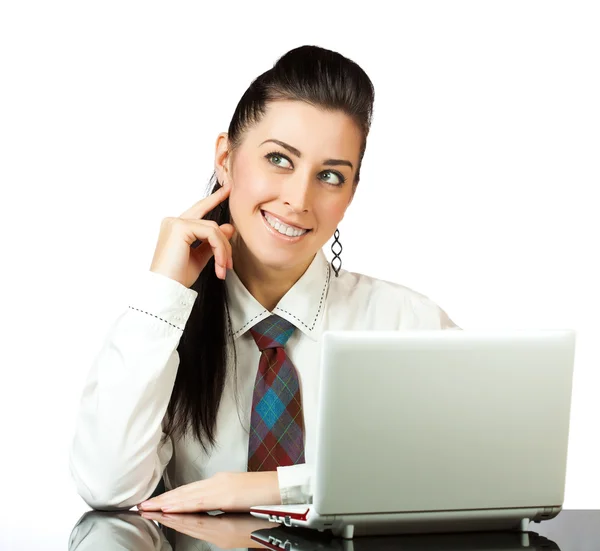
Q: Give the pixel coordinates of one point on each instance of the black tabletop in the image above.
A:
(571, 530)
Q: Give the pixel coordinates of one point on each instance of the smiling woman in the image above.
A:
(288, 196)
(188, 385)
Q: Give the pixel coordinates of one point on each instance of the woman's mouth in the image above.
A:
(277, 227)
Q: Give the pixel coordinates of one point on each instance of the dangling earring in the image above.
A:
(336, 255)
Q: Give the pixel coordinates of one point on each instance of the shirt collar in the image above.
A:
(302, 305)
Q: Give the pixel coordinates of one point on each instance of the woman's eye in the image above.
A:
(331, 176)
(277, 159)
(338, 178)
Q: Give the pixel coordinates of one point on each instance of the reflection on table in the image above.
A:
(569, 531)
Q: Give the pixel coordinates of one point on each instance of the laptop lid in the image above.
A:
(435, 420)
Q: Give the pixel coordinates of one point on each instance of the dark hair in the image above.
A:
(319, 77)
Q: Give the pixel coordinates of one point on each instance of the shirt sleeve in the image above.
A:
(295, 483)
(117, 455)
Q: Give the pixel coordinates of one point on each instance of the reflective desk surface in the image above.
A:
(571, 530)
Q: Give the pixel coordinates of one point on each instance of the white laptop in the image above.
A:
(438, 431)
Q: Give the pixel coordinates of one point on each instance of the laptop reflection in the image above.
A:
(303, 539)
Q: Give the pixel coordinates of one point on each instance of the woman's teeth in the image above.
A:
(283, 228)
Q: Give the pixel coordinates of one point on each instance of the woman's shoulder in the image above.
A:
(355, 283)
(375, 294)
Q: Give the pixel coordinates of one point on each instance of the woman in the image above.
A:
(186, 386)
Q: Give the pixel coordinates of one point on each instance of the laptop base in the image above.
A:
(348, 526)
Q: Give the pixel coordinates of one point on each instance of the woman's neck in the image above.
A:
(267, 285)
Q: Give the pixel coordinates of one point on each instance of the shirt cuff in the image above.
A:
(162, 298)
(295, 483)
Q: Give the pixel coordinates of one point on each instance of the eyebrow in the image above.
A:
(291, 149)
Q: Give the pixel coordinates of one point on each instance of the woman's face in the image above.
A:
(287, 200)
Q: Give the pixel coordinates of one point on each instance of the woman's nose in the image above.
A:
(296, 192)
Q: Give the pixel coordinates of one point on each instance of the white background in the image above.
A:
(479, 185)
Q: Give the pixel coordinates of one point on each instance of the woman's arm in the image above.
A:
(116, 456)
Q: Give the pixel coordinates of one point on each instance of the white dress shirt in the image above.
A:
(115, 457)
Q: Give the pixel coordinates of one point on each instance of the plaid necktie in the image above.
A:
(277, 424)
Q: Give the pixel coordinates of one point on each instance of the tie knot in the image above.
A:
(272, 332)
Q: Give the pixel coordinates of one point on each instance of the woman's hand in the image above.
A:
(174, 256)
(229, 492)
(223, 531)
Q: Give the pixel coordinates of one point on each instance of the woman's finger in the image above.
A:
(177, 496)
(213, 243)
(216, 244)
(201, 208)
(157, 502)
(221, 249)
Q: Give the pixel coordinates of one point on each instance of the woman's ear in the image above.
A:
(222, 159)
